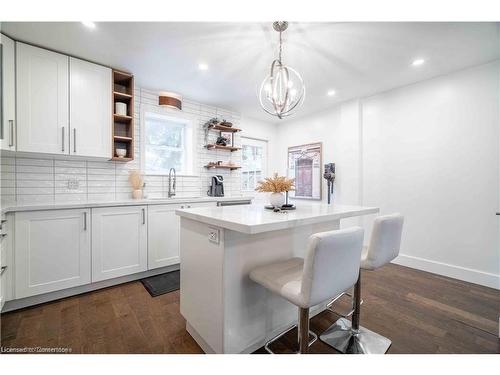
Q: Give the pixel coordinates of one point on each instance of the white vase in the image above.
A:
(277, 199)
(137, 194)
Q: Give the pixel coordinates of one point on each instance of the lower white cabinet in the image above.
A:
(119, 241)
(52, 251)
(163, 233)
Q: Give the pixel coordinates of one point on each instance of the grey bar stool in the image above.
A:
(384, 246)
(331, 265)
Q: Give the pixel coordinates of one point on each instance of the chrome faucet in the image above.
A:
(171, 182)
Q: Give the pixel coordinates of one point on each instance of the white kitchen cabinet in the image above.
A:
(90, 109)
(8, 94)
(6, 270)
(42, 100)
(163, 233)
(119, 241)
(52, 251)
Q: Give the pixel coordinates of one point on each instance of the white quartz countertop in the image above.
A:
(254, 218)
(128, 202)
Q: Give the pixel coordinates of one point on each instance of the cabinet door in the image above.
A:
(119, 241)
(52, 251)
(42, 100)
(8, 94)
(90, 109)
(163, 235)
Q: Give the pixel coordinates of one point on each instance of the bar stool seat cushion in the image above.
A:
(283, 278)
(331, 265)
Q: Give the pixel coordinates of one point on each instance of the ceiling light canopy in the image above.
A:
(330, 92)
(283, 90)
(89, 24)
(170, 100)
(418, 62)
(202, 66)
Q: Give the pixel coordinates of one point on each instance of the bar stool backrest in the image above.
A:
(331, 264)
(385, 241)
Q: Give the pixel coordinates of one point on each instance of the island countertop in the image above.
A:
(254, 218)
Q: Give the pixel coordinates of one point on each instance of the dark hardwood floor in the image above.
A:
(420, 312)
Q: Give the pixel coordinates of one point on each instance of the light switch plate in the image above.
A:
(213, 235)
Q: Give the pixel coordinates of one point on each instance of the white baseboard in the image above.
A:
(456, 272)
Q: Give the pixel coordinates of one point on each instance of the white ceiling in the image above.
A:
(355, 59)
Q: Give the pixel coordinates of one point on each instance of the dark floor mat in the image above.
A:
(161, 284)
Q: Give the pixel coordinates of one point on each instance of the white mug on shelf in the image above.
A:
(121, 108)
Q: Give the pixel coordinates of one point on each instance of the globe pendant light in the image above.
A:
(283, 90)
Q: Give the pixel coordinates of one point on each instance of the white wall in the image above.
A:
(430, 151)
(339, 131)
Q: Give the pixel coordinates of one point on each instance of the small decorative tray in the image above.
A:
(285, 207)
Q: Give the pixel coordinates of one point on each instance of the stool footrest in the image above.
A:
(311, 333)
(341, 313)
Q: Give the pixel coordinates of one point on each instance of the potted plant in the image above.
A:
(276, 185)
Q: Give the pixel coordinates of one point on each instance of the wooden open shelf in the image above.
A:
(121, 95)
(224, 128)
(219, 147)
(116, 158)
(123, 126)
(224, 166)
(122, 139)
(122, 118)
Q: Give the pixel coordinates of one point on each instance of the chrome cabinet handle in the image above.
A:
(11, 133)
(182, 206)
(188, 206)
(74, 140)
(2, 235)
(84, 220)
(2, 270)
(62, 148)
(143, 216)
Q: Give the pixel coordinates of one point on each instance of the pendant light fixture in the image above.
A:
(283, 90)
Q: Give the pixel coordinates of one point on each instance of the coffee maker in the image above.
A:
(216, 189)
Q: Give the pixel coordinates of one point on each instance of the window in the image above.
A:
(253, 162)
(167, 142)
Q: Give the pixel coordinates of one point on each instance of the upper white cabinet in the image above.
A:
(8, 94)
(52, 251)
(119, 241)
(63, 104)
(90, 108)
(42, 100)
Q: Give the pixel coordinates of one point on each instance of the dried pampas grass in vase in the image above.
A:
(137, 182)
(276, 185)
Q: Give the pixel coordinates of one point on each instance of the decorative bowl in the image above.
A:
(121, 152)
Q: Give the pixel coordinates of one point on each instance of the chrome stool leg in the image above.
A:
(352, 338)
(302, 330)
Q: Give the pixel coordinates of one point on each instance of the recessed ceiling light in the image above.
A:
(202, 66)
(330, 92)
(418, 62)
(89, 24)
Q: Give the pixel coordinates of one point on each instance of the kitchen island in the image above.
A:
(225, 311)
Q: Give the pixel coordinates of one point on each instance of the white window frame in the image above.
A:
(256, 142)
(175, 116)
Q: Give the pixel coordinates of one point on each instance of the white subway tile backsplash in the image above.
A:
(45, 180)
